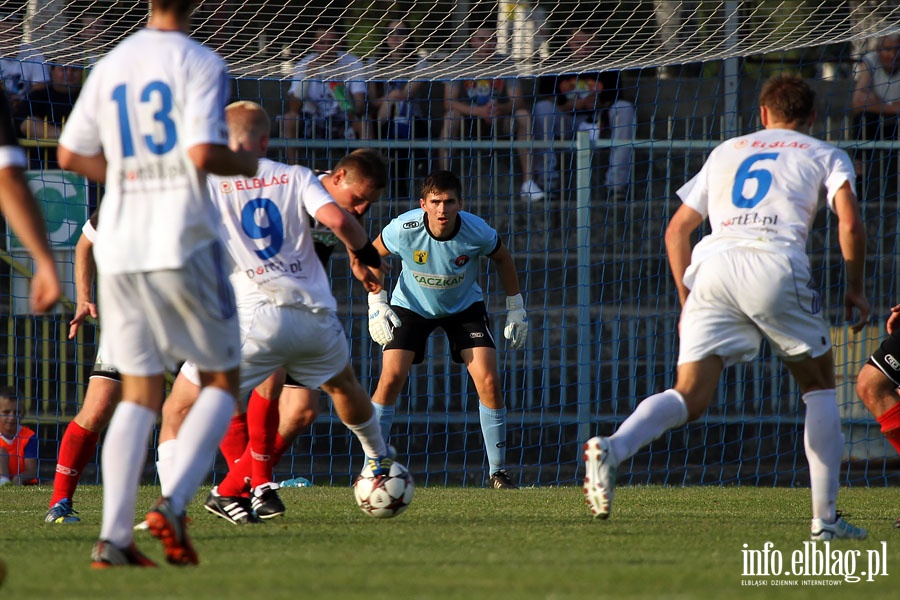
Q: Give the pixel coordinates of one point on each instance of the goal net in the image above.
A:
(589, 248)
(257, 36)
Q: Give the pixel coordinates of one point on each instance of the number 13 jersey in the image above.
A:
(153, 97)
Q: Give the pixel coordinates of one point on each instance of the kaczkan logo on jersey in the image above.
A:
(438, 282)
(420, 257)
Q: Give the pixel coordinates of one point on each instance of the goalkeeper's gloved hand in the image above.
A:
(516, 329)
(382, 319)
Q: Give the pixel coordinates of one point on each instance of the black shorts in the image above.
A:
(887, 358)
(106, 371)
(467, 329)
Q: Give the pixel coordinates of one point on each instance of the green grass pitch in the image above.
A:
(462, 543)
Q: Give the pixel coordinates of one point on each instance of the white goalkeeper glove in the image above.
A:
(516, 329)
(382, 319)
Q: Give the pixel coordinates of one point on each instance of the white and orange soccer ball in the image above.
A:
(384, 496)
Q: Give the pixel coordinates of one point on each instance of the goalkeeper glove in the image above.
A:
(516, 328)
(382, 319)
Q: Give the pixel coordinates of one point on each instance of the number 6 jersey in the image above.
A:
(763, 190)
(157, 94)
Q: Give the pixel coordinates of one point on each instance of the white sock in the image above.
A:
(124, 454)
(653, 417)
(198, 441)
(824, 445)
(165, 458)
(369, 436)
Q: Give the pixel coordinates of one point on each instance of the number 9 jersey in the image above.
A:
(144, 115)
(266, 229)
(763, 190)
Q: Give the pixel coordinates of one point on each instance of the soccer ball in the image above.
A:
(384, 496)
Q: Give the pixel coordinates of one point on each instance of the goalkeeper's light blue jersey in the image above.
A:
(439, 277)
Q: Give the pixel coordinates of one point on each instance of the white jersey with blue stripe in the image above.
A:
(439, 277)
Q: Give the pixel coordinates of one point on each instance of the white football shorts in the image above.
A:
(743, 294)
(312, 347)
(152, 321)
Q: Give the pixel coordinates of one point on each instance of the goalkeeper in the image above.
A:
(439, 246)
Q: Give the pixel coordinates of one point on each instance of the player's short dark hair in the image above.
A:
(182, 7)
(789, 97)
(8, 392)
(442, 181)
(365, 164)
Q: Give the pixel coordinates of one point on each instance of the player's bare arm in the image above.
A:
(84, 284)
(678, 245)
(360, 249)
(852, 239)
(893, 319)
(506, 269)
(24, 217)
(221, 160)
(92, 167)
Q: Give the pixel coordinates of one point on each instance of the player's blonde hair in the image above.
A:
(247, 120)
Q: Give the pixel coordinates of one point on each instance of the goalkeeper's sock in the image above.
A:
(369, 436)
(123, 457)
(824, 445)
(76, 449)
(653, 417)
(493, 429)
(890, 426)
(385, 415)
(198, 438)
(236, 438)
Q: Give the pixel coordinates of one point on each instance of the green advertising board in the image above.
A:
(63, 198)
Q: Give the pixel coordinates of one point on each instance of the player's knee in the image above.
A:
(871, 384)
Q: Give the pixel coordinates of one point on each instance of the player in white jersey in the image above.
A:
(440, 247)
(287, 311)
(750, 279)
(279, 406)
(149, 124)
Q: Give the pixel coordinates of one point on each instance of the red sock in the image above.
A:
(237, 482)
(252, 468)
(890, 426)
(262, 423)
(76, 449)
(235, 441)
(279, 447)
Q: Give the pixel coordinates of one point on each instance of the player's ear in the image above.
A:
(422, 203)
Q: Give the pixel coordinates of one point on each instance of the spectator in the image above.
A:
(45, 110)
(876, 93)
(400, 105)
(24, 72)
(876, 104)
(319, 108)
(493, 103)
(18, 444)
(585, 101)
(90, 37)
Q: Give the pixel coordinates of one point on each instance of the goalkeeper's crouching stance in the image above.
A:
(439, 246)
